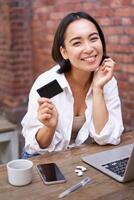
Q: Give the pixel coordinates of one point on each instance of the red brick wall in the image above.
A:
(4, 47)
(116, 18)
(15, 53)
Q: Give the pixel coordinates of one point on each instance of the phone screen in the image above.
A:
(50, 173)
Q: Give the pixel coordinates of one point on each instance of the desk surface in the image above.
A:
(101, 188)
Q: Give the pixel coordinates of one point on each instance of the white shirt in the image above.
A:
(64, 103)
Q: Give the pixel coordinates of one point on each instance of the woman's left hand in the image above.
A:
(104, 73)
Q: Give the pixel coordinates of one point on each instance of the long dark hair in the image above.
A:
(65, 65)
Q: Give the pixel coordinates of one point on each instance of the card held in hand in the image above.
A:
(50, 90)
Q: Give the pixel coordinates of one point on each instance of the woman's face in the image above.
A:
(82, 45)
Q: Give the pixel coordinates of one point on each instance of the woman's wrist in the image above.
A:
(44, 136)
(97, 90)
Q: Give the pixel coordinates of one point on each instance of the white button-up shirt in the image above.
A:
(64, 103)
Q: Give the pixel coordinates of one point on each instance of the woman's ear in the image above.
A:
(63, 52)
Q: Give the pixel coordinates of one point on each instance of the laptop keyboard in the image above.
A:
(118, 166)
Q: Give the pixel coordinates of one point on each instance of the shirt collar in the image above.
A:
(64, 83)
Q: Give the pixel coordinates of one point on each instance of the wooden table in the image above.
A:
(102, 187)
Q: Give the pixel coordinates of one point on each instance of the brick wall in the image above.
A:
(37, 23)
(4, 46)
(16, 55)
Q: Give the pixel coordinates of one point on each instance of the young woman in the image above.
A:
(89, 106)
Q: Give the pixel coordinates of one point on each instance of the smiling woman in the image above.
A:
(89, 105)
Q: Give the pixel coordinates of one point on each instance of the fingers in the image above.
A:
(45, 111)
(43, 100)
(108, 62)
(108, 65)
(45, 108)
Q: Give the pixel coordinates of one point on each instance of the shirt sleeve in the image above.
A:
(31, 125)
(111, 132)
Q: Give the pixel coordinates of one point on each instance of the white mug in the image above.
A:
(19, 172)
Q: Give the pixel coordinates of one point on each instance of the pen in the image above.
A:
(75, 187)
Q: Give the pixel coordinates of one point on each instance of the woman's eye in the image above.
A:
(76, 43)
(94, 39)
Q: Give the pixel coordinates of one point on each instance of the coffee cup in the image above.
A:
(19, 172)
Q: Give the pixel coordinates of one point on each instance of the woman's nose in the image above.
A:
(88, 47)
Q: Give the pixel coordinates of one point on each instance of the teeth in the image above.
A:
(90, 59)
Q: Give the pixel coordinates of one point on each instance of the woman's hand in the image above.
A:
(104, 73)
(47, 113)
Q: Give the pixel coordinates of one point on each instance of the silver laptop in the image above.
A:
(117, 163)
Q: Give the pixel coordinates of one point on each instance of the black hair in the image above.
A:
(65, 65)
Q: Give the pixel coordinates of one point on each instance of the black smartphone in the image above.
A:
(50, 173)
(50, 90)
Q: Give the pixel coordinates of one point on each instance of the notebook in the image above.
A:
(118, 163)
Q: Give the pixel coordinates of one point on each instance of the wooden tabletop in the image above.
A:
(102, 187)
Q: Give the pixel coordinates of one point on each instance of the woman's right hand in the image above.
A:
(47, 112)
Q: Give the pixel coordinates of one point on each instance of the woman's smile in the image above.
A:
(89, 59)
